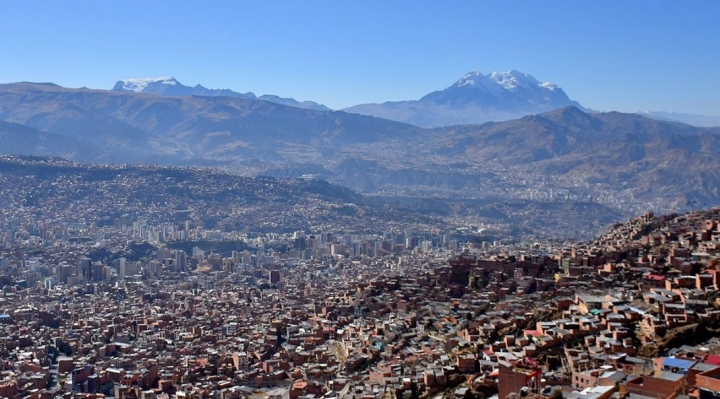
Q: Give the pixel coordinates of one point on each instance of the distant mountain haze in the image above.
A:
(475, 98)
(188, 127)
(18, 139)
(690, 119)
(169, 86)
(626, 155)
(472, 99)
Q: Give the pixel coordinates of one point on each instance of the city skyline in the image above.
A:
(611, 56)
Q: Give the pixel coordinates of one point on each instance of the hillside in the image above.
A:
(184, 128)
(212, 199)
(610, 151)
(20, 139)
(627, 163)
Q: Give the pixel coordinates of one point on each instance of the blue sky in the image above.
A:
(608, 55)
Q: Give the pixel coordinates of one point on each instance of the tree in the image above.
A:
(472, 281)
(338, 349)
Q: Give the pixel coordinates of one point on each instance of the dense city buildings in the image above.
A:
(153, 303)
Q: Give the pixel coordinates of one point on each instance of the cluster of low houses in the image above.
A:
(574, 323)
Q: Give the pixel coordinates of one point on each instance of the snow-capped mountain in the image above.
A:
(140, 85)
(475, 98)
(169, 86)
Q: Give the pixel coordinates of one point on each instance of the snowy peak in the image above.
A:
(169, 86)
(499, 81)
(475, 98)
(476, 80)
(513, 91)
(163, 85)
(513, 79)
(139, 85)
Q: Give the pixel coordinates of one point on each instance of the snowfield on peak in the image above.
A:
(498, 82)
(169, 86)
(511, 80)
(475, 98)
(478, 80)
(139, 84)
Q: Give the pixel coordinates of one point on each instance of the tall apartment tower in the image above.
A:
(121, 268)
(181, 261)
(86, 269)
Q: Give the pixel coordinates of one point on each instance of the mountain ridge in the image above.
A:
(474, 98)
(618, 157)
(690, 119)
(169, 86)
(20, 139)
(188, 125)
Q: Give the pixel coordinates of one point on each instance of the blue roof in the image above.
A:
(679, 363)
(4, 316)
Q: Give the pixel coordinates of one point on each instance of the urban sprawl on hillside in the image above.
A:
(152, 303)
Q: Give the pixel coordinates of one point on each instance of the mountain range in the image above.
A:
(690, 119)
(627, 162)
(140, 127)
(169, 86)
(475, 98)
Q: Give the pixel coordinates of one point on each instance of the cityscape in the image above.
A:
(120, 290)
(377, 200)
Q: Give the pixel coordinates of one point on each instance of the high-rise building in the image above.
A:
(163, 253)
(153, 268)
(337, 249)
(274, 276)
(86, 269)
(51, 282)
(121, 269)
(180, 261)
(64, 271)
(300, 243)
